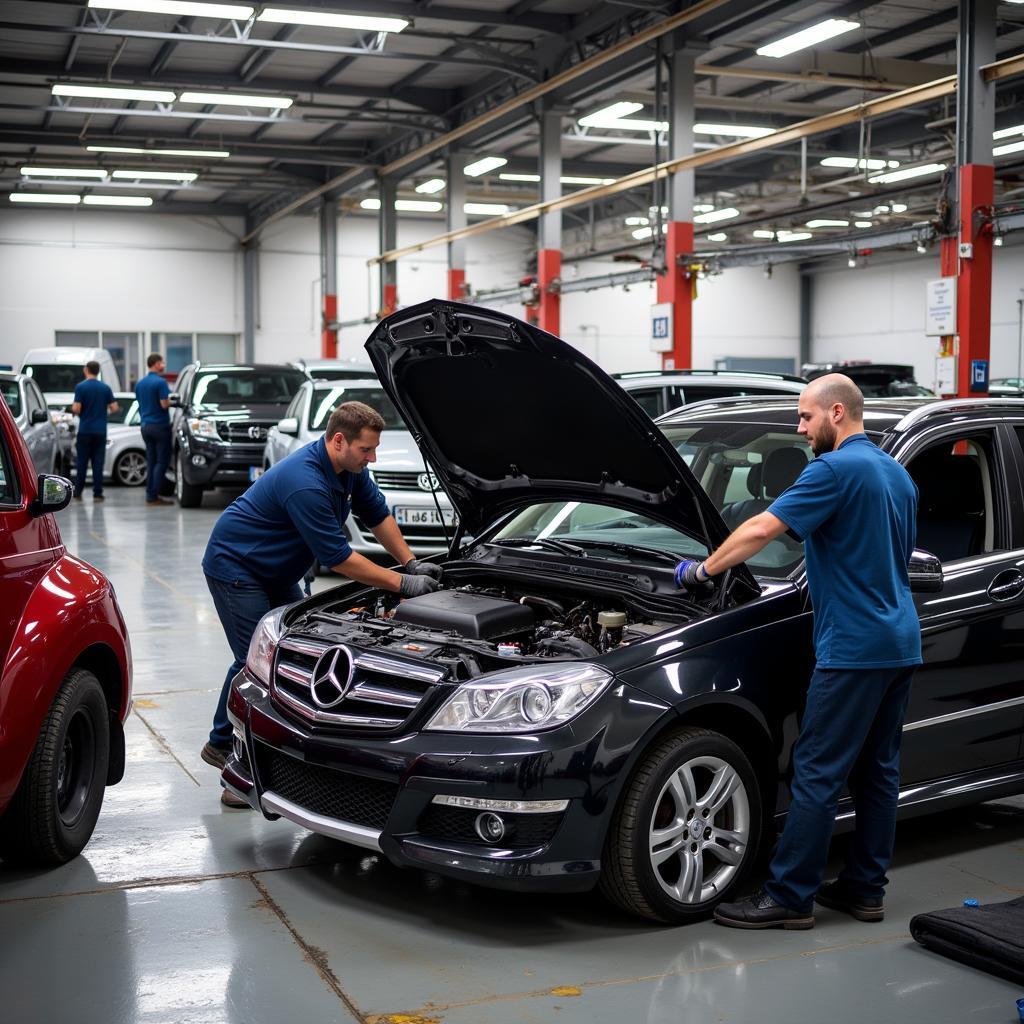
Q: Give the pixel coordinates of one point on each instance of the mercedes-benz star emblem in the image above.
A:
(427, 482)
(332, 677)
(258, 433)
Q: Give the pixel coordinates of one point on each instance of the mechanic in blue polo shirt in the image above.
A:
(264, 542)
(855, 509)
(93, 399)
(154, 398)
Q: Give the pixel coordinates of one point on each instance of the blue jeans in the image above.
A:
(90, 448)
(240, 606)
(850, 734)
(157, 438)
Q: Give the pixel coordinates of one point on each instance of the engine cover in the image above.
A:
(476, 616)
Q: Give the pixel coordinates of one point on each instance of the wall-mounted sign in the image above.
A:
(661, 327)
(945, 375)
(940, 307)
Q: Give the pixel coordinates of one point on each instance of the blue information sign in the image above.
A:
(979, 376)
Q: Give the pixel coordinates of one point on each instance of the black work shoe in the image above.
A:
(761, 911)
(217, 756)
(836, 897)
(98, 497)
(228, 799)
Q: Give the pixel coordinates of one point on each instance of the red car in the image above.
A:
(65, 685)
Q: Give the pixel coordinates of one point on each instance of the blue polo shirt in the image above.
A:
(148, 393)
(855, 509)
(95, 397)
(292, 514)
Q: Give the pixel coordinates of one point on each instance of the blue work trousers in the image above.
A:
(90, 448)
(850, 735)
(157, 438)
(240, 606)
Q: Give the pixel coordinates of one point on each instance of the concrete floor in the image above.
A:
(182, 911)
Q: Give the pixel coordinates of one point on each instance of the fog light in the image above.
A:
(198, 460)
(489, 827)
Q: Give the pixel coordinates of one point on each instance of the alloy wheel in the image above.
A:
(131, 469)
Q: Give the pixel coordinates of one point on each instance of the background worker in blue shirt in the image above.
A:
(92, 401)
(154, 398)
(265, 540)
(855, 508)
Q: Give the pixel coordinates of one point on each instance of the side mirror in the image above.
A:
(53, 494)
(174, 400)
(290, 425)
(925, 572)
(38, 416)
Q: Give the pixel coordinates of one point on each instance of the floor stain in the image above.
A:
(566, 990)
(141, 702)
(402, 1018)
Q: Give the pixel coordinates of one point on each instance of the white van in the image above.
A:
(58, 370)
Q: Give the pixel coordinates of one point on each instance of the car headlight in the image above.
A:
(525, 699)
(203, 428)
(260, 659)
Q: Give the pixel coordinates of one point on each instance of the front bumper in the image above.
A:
(377, 792)
(223, 464)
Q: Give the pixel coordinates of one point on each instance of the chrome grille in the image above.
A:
(402, 481)
(240, 431)
(383, 693)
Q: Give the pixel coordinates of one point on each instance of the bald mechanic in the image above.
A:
(855, 509)
(265, 541)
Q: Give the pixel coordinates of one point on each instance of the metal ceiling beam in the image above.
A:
(167, 50)
(337, 182)
(802, 77)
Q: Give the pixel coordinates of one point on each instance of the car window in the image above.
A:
(33, 399)
(293, 409)
(326, 373)
(127, 412)
(958, 479)
(650, 400)
(326, 400)
(221, 388)
(54, 376)
(11, 394)
(8, 481)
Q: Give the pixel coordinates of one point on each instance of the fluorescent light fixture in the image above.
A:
(615, 140)
(713, 216)
(863, 224)
(236, 12)
(418, 205)
(1010, 147)
(998, 240)
(486, 209)
(64, 172)
(212, 154)
(156, 175)
(483, 165)
(369, 204)
(616, 115)
(113, 92)
(793, 236)
(763, 233)
(235, 99)
(117, 200)
(828, 29)
(63, 198)
(632, 222)
(702, 207)
(641, 233)
(740, 131)
(429, 188)
(871, 163)
(719, 236)
(907, 172)
(359, 22)
(572, 179)
(899, 207)
(508, 176)
(879, 210)
(825, 223)
(1005, 133)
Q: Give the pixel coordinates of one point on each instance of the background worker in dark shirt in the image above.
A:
(265, 540)
(92, 401)
(154, 398)
(855, 508)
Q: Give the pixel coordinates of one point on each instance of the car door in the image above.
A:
(39, 436)
(966, 709)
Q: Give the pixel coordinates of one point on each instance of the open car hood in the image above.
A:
(509, 415)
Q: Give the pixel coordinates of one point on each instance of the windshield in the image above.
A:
(55, 376)
(224, 388)
(333, 373)
(11, 394)
(127, 412)
(326, 400)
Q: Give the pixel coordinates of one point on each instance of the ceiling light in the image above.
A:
(483, 165)
(741, 131)
(113, 92)
(508, 176)
(719, 236)
(571, 179)
(703, 207)
(863, 224)
(762, 233)
(486, 209)
(117, 200)
(905, 173)
(793, 236)
(1010, 147)
(899, 207)
(63, 172)
(65, 198)
(636, 221)
(1005, 133)
(233, 99)
(429, 188)
(217, 154)
(641, 233)
(828, 29)
(998, 240)
(615, 116)
(870, 163)
(616, 140)
(359, 22)
(156, 175)
(236, 12)
(713, 216)
(418, 205)
(369, 204)
(825, 223)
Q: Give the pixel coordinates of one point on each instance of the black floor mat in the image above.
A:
(990, 937)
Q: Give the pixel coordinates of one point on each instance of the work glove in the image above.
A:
(692, 575)
(418, 568)
(417, 586)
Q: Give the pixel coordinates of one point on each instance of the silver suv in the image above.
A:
(661, 391)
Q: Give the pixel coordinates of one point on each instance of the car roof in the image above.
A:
(355, 382)
(269, 367)
(787, 387)
(761, 375)
(13, 375)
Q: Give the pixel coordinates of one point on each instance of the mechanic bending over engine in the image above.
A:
(266, 539)
(855, 508)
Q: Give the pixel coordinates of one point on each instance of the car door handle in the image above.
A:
(1007, 585)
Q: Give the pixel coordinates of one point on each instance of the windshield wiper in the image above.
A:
(562, 546)
(631, 549)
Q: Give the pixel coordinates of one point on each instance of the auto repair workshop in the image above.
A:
(512, 511)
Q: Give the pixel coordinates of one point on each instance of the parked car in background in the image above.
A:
(220, 415)
(22, 396)
(125, 459)
(65, 683)
(661, 391)
(419, 505)
(334, 369)
(58, 371)
(876, 380)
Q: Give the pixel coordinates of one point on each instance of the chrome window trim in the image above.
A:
(966, 713)
(357, 835)
(947, 405)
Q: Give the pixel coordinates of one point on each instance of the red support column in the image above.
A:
(390, 300)
(974, 286)
(549, 269)
(676, 286)
(329, 334)
(456, 284)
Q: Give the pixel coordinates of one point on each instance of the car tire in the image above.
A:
(130, 468)
(680, 874)
(188, 495)
(54, 810)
